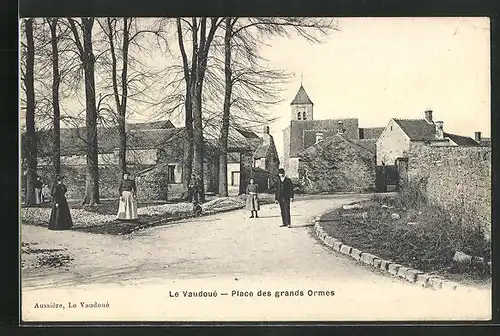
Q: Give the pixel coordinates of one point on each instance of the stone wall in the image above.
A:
(337, 165)
(458, 179)
(74, 179)
(286, 148)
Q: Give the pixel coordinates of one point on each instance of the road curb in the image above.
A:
(404, 273)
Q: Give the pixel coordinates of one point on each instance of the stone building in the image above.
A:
(338, 164)
(394, 142)
(305, 131)
(155, 153)
(266, 157)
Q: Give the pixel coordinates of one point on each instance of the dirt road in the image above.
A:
(227, 252)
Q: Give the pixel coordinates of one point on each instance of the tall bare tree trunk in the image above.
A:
(194, 77)
(188, 118)
(56, 79)
(226, 110)
(30, 114)
(121, 105)
(88, 61)
(188, 142)
(123, 110)
(198, 158)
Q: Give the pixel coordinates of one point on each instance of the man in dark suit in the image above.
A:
(284, 194)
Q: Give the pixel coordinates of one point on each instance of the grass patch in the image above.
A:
(420, 236)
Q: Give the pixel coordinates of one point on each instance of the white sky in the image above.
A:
(376, 69)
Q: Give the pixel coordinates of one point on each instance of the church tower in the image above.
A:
(302, 106)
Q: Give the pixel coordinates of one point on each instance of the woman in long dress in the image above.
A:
(127, 208)
(60, 217)
(252, 203)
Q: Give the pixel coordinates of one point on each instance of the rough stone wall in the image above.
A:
(392, 144)
(272, 163)
(458, 180)
(74, 179)
(286, 148)
(337, 165)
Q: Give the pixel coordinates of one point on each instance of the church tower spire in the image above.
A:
(302, 105)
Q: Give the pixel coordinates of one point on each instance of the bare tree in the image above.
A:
(120, 100)
(224, 132)
(254, 86)
(31, 143)
(87, 59)
(56, 80)
(194, 75)
(124, 77)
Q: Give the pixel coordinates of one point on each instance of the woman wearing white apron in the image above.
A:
(127, 209)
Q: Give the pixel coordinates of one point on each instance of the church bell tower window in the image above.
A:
(304, 115)
(298, 115)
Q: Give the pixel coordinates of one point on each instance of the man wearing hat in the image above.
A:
(284, 194)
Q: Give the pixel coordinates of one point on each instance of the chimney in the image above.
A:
(477, 136)
(340, 128)
(266, 138)
(439, 130)
(428, 116)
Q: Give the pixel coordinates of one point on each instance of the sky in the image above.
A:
(375, 69)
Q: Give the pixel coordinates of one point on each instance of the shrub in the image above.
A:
(413, 194)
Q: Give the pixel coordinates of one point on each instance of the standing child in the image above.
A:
(253, 198)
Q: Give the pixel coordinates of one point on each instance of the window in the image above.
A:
(319, 137)
(171, 173)
(298, 115)
(304, 115)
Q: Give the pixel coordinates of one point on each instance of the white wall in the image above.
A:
(393, 143)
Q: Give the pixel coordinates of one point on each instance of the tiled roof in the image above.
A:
(302, 133)
(485, 142)
(261, 151)
(370, 132)
(461, 140)
(368, 144)
(363, 146)
(236, 141)
(301, 97)
(161, 124)
(247, 134)
(417, 129)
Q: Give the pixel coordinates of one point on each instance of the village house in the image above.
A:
(393, 143)
(338, 164)
(155, 153)
(304, 131)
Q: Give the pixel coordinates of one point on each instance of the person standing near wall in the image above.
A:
(252, 203)
(127, 208)
(284, 195)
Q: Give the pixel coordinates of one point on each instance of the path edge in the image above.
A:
(387, 266)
